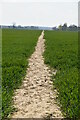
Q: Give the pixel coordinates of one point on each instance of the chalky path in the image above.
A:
(36, 97)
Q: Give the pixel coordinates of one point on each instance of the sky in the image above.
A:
(39, 12)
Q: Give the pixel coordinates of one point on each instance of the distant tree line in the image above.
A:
(64, 27)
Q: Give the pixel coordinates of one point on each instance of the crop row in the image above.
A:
(18, 45)
(62, 54)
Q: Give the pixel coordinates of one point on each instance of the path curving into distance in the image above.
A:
(36, 97)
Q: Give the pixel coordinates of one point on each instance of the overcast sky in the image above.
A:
(39, 12)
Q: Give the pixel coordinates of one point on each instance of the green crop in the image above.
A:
(18, 45)
(62, 54)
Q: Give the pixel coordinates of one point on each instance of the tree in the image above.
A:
(73, 28)
(64, 27)
(60, 27)
(14, 24)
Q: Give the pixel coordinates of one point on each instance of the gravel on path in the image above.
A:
(36, 97)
